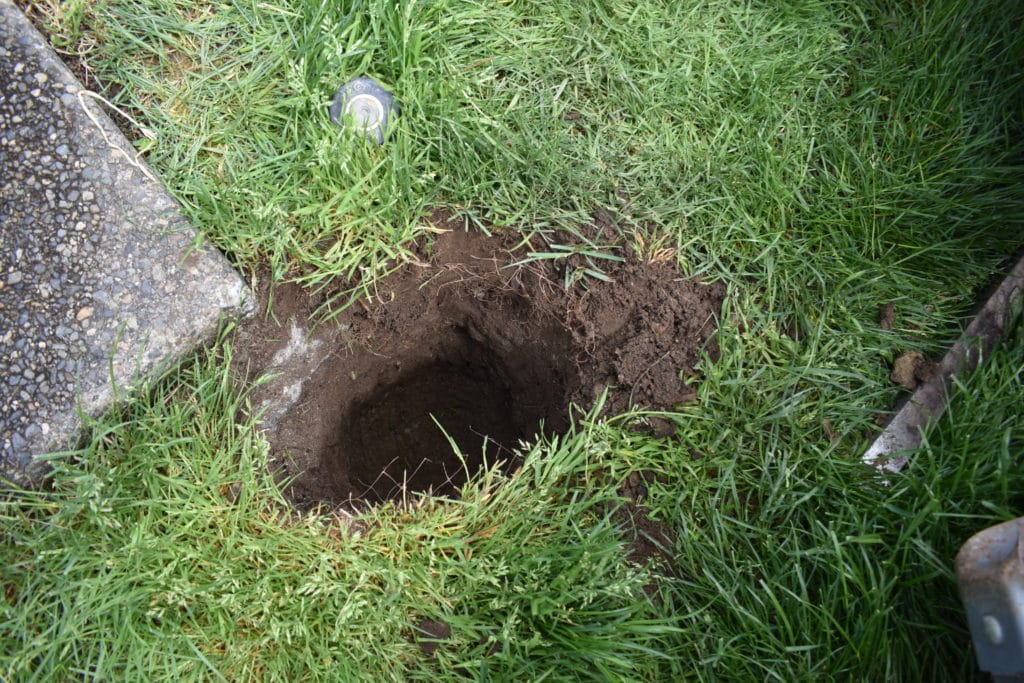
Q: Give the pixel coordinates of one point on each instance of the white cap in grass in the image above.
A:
(368, 106)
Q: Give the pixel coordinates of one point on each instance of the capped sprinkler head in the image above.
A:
(368, 104)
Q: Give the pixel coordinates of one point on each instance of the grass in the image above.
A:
(822, 158)
(165, 551)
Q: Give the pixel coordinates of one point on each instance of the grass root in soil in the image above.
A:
(450, 364)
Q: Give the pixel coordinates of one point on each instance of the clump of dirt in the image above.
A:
(471, 349)
(911, 369)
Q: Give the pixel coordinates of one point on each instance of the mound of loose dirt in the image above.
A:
(467, 349)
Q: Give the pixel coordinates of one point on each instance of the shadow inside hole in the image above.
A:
(485, 395)
(399, 436)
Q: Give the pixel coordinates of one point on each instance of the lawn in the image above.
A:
(821, 160)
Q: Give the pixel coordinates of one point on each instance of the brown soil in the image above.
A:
(911, 369)
(492, 353)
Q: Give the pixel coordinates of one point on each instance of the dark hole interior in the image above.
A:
(398, 438)
(398, 431)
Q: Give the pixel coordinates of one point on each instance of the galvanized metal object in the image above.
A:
(990, 572)
(890, 451)
(365, 103)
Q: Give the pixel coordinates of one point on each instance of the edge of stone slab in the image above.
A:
(158, 350)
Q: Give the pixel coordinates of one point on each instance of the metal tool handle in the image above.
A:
(990, 573)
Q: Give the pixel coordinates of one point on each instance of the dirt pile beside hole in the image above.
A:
(469, 349)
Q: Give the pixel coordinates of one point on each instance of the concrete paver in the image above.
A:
(101, 278)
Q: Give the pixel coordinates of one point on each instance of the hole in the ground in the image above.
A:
(400, 437)
(477, 346)
(417, 395)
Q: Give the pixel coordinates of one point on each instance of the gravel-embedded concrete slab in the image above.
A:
(101, 279)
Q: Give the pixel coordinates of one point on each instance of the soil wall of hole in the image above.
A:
(464, 351)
